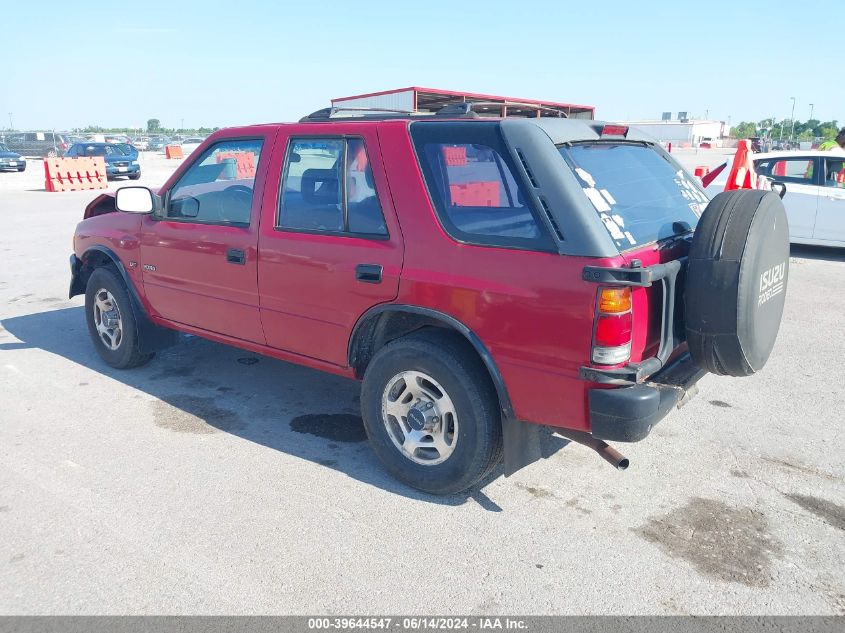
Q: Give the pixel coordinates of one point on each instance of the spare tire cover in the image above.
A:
(736, 282)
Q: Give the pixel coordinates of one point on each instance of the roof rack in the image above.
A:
(465, 110)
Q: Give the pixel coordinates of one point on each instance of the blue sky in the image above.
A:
(220, 63)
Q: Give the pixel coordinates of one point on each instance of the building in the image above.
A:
(681, 132)
(416, 99)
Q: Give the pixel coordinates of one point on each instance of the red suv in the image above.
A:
(483, 277)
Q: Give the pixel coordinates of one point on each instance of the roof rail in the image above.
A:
(326, 114)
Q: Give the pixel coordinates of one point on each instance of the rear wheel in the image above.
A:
(431, 412)
(111, 322)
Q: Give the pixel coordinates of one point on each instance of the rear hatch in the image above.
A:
(649, 206)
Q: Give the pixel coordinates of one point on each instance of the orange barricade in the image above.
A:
(702, 171)
(173, 151)
(475, 194)
(741, 175)
(779, 168)
(75, 174)
(245, 162)
(455, 156)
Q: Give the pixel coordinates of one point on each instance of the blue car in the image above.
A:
(11, 160)
(121, 158)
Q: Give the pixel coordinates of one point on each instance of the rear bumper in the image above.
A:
(627, 414)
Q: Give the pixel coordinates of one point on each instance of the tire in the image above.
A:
(134, 176)
(20, 169)
(105, 287)
(449, 366)
(736, 282)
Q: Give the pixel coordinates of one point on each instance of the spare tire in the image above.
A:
(736, 282)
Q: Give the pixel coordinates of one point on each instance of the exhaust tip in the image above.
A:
(623, 464)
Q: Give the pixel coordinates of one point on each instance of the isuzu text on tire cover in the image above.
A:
(483, 277)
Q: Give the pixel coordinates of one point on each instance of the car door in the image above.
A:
(199, 253)
(799, 174)
(331, 247)
(830, 219)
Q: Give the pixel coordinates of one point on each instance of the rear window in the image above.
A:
(639, 195)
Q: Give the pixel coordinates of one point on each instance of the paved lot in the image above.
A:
(192, 485)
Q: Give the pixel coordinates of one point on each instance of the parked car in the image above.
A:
(10, 160)
(190, 144)
(538, 277)
(121, 160)
(141, 143)
(815, 193)
(37, 144)
(157, 143)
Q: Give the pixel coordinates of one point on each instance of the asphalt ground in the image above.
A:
(216, 481)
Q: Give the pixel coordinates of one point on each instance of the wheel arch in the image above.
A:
(384, 323)
(151, 337)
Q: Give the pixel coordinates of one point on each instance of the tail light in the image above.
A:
(614, 323)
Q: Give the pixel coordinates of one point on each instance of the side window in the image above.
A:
(473, 187)
(328, 186)
(834, 172)
(218, 187)
(797, 170)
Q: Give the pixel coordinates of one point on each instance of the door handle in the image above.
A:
(368, 273)
(235, 256)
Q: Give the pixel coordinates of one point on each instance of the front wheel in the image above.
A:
(135, 176)
(111, 322)
(431, 412)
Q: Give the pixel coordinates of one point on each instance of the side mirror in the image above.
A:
(779, 188)
(135, 200)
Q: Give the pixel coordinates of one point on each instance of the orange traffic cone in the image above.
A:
(742, 174)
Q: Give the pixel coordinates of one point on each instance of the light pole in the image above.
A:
(811, 112)
(11, 125)
(792, 116)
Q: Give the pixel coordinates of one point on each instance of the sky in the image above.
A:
(221, 63)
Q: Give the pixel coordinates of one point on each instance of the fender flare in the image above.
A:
(151, 337)
(452, 322)
(522, 440)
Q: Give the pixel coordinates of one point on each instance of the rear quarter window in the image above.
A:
(639, 195)
(474, 186)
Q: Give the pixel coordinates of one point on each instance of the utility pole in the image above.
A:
(792, 131)
(11, 125)
(811, 112)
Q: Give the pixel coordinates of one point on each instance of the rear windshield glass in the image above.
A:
(639, 195)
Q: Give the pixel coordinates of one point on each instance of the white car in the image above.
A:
(190, 144)
(815, 193)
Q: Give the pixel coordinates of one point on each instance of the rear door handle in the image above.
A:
(235, 256)
(368, 273)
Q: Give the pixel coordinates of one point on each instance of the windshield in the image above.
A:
(639, 195)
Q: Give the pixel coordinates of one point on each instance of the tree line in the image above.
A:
(811, 130)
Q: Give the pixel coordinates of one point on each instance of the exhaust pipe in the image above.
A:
(605, 450)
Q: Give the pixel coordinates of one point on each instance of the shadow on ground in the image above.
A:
(823, 253)
(204, 387)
